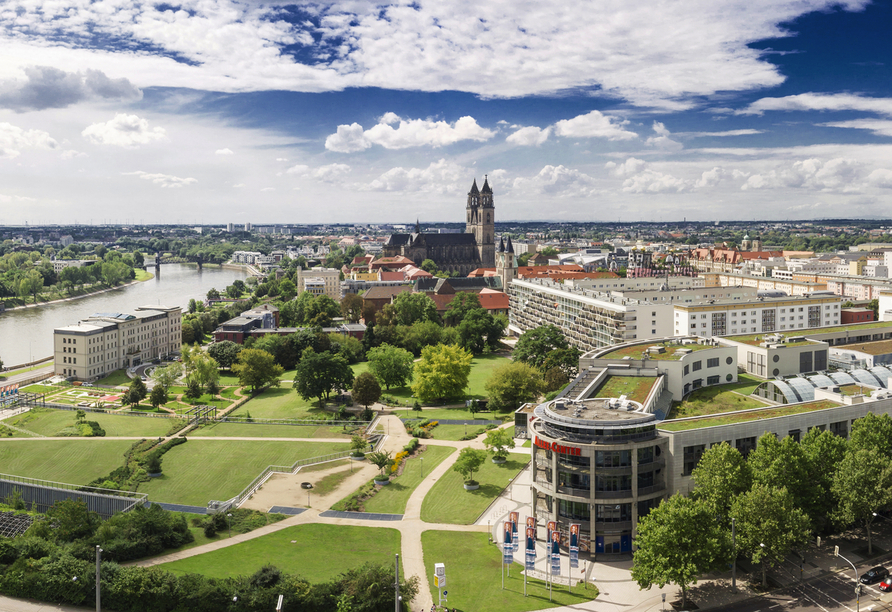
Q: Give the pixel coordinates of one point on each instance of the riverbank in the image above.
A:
(148, 276)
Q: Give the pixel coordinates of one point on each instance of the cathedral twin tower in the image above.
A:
(481, 222)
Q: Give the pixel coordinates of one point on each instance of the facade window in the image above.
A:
(805, 361)
(645, 455)
(697, 365)
(820, 360)
(745, 445)
(713, 380)
(613, 482)
(620, 458)
(686, 370)
(841, 429)
(712, 362)
(613, 513)
(574, 510)
(692, 456)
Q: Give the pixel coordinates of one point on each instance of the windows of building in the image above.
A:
(574, 510)
(712, 362)
(619, 458)
(692, 456)
(745, 445)
(613, 482)
(697, 365)
(840, 428)
(713, 380)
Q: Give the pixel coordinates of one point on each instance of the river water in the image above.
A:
(28, 332)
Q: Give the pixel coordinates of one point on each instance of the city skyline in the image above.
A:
(217, 111)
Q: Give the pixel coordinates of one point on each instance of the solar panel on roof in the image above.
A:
(865, 377)
(842, 378)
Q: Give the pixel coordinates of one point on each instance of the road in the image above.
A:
(829, 593)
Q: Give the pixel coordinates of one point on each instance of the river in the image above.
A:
(28, 332)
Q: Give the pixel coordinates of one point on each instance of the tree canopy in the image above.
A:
(256, 368)
(366, 389)
(442, 372)
(392, 366)
(513, 383)
(319, 374)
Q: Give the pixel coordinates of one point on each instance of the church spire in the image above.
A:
(417, 226)
(509, 248)
(502, 245)
(486, 187)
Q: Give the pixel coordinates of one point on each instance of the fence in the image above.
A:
(45, 494)
(316, 422)
(137, 413)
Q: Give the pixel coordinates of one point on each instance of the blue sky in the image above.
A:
(215, 111)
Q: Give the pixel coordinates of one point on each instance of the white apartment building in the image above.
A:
(61, 264)
(756, 316)
(320, 281)
(106, 342)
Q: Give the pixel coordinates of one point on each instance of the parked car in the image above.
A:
(873, 574)
(886, 584)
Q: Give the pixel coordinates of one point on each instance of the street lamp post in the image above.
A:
(857, 584)
(422, 466)
(229, 523)
(98, 587)
(733, 556)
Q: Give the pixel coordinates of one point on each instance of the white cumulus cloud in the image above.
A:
(13, 139)
(594, 125)
(163, 180)
(124, 131)
(48, 87)
(557, 181)
(223, 152)
(662, 140)
(529, 136)
(820, 102)
(327, 173)
(394, 132)
(838, 174)
(651, 181)
(441, 177)
(631, 166)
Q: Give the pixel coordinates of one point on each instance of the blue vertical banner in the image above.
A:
(515, 537)
(530, 559)
(555, 546)
(508, 544)
(574, 546)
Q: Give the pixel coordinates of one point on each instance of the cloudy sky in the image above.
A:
(215, 111)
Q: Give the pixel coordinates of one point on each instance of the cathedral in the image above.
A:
(461, 253)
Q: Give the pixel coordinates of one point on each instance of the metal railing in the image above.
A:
(316, 422)
(222, 506)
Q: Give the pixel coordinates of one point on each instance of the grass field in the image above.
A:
(256, 430)
(118, 377)
(392, 499)
(75, 461)
(715, 400)
(756, 415)
(306, 550)
(47, 422)
(435, 414)
(40, 389)
(448, 502)
(280, 403)
(634, 388)
(474, 576)
(205, 469)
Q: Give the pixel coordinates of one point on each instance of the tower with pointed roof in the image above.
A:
(481, 222)
(506, 263)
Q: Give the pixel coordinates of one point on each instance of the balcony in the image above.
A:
(575, 492)
(657, 488)
(613, 494)
(614, 469)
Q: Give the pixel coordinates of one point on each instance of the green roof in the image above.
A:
(814, 331)
(743, 417)
(638, 350)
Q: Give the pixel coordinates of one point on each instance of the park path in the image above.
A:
(285, 489)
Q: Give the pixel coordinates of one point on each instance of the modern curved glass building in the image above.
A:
(599, 463)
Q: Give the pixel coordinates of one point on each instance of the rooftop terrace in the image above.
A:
(815, 331)
(638, 350)
(743, 417)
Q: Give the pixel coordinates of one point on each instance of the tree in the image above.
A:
(351, 307)
(380, 459)
(158, 397)
(358, 443)
(534, 345)
(347, 346)
(862, 485)
(256, 369)
(480, 329)
(677, 542)
(460, 306)
(366, 389)
(468, 462)
(408, 308)
(213, 294)
(442, 372)
(498, 442)
(68, 520)
(769, 525)
(778, 463)
(555, 379)
(224, 353)
(318, 374)
(720, 476)
(166, 377)
(872, 432)
(391, 365)
(137, 391)
(824, 451)
(512, 384)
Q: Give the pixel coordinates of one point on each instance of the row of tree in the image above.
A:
(780, 495)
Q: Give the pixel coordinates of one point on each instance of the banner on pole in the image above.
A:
(514, 517)
(508, 544)
(574, 546)
(555, 546)
(530, 559)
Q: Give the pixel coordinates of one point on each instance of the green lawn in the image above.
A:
(75, 461)
(455, 433)
(316, 552)
(255, 430)
(718, 399)
(118, 377)
(392, 499)
(473, 576)
(756, 415)
(435, 414)
(448, 502)
(280, 403)
(48, 422)
(205, 469)
(40, 389)
(634, 388)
